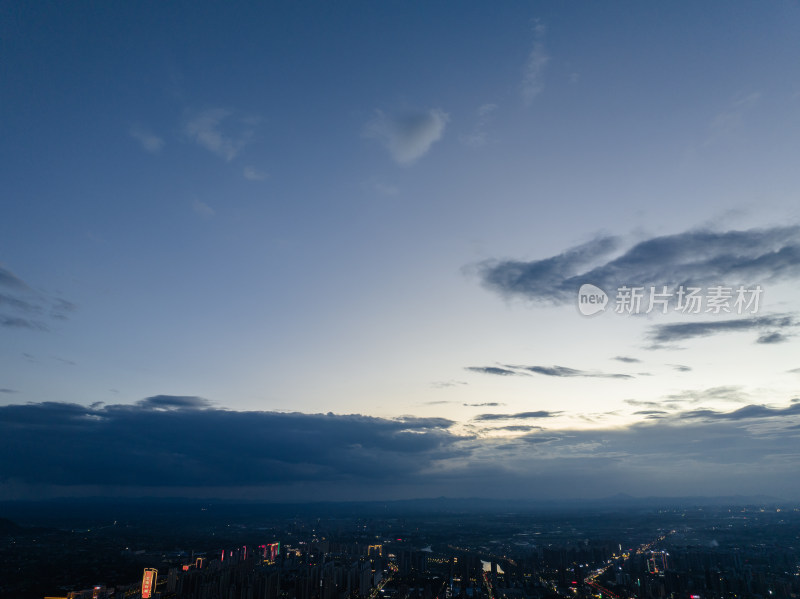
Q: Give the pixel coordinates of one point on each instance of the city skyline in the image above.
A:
(296, 251)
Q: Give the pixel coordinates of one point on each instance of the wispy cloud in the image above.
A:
(532, 78)
(728, 120)
(10, 280)
(517, 416)
(651, 413)
(253, 174)
(148, 140)
(750, 412)
(409, 136)
(17, 322)
(61, 308)
(8, 301)
(492, 370)
(386, 190)
(626, 359)
(5, 390)
(445, 384)
(644, 403)
(773, 337)
(699, 257)
(563, 371)
(478, 136)
(720, 393)
(203, 209)
(556, 371)
(220, 132)
(680, 331)
(22, 307)
(517, 428)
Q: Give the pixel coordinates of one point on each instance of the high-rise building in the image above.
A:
(149, 582)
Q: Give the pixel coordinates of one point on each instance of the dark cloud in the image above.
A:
(517, 416)
(773, 337)
(698, 257)
(488, 404)
(8, 391)
(181, 441)
(172, 402)
(670, 333)
(626, 359)
(681, 367)
(492, 370)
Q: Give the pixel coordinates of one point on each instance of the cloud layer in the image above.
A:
(186, 444)
(182, 441)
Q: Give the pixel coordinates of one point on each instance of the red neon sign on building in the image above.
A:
(148, 582)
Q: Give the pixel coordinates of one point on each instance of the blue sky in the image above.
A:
(368, 222)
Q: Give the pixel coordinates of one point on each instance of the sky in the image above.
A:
(300, 250)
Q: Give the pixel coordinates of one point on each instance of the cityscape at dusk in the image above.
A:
(400, 262)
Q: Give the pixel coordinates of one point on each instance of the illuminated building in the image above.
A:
(274, 550)
(657, 562)
(149, 582)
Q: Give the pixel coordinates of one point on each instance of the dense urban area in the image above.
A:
(405, 550)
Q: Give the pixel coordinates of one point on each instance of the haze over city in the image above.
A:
(307, 251)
